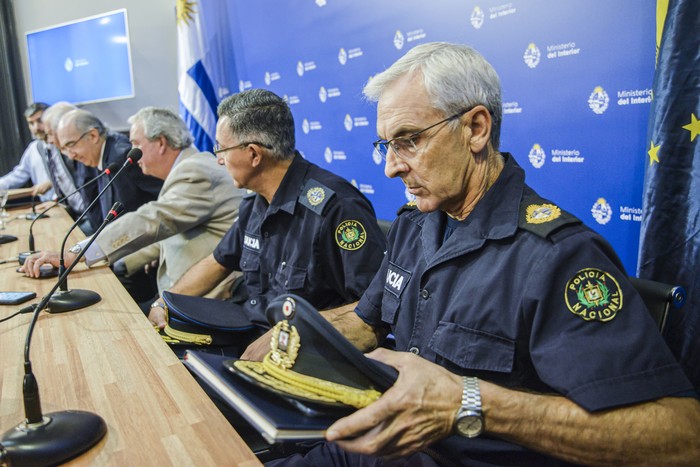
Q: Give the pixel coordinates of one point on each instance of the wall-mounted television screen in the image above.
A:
(82, 61)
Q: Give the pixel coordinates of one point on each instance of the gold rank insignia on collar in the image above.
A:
(541, 213)
(310, 361)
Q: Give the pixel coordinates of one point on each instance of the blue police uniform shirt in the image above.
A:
(523, 295)
(318, 239)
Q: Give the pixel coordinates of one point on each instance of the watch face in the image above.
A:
(470, 426)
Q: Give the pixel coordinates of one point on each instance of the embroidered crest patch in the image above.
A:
(350, 235)
(594, 295)
(541, 213)
(316, 195)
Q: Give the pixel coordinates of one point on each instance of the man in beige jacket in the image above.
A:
(195, 208)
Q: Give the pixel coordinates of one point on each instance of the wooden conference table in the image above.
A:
(108, 360)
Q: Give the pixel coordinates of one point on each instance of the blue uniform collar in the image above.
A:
(494, 217)
(285, 198)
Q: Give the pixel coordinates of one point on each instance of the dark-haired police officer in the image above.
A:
(302, 229)
(521, 341)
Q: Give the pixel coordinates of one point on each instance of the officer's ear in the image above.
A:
(256, 154)
(479, 121)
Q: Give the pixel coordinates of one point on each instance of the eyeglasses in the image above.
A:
(218, 149)
(71, 144)
(405, 146)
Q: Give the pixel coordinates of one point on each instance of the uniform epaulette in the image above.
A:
(249, 194)
(541, 217)
(410, 206)
(315, 196)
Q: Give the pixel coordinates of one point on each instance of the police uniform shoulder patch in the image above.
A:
(410, 206)
(593, 295)
(350, 235)
(315, 196)
(541, 217)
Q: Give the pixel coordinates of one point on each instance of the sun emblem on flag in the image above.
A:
(185, 11)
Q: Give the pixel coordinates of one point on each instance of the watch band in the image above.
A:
(470, 420)
(471, 394)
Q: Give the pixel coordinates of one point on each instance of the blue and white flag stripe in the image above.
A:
(198, 100)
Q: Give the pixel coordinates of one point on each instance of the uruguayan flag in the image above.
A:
(198, 94)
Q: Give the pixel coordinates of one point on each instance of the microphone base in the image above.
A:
(61, 436)
(33, 215)
(22, 256)
(70, 300)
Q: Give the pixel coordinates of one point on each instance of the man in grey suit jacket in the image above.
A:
(195, 208)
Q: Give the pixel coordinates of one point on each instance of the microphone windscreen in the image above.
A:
(135, 154)
(111, 168)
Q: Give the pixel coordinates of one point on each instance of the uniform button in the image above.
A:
(253, 302)
(286, 283)
(414, 350)
(425, 294)
(284, 263)
(266, 234)
(244, 263)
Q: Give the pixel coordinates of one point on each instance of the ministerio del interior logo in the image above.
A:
(537, 156)
(398, 40)
(598, 100)
(601, 211)
(532, 56)
(477, 17)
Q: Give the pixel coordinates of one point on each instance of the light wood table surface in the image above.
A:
(108, 360)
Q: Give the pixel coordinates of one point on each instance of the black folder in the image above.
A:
(274, 417)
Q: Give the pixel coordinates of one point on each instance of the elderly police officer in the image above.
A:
(302, 229)
(521, 339)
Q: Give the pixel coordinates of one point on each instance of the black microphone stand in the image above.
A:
(69, 300)
(23, 256)
(33, 215)
(50, 439)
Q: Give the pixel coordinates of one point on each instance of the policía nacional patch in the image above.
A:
(541, 213)
(350, 235)
(594, 295)
(315, 195)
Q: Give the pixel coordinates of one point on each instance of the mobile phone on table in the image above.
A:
(15, 298)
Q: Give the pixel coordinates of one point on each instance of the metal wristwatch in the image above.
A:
(470, 420)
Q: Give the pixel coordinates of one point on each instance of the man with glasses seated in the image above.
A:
(195, 208)
(519, 338)
(301, 229)
(85, 139)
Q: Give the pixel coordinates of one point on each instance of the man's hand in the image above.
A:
(32, 264)
(151, 266)
(41, 188)
(257, 349)
(419, 409)
(157, 315)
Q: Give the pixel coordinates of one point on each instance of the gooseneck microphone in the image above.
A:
(108, 171)
(68, 300)
(32, 215)
(50, 439)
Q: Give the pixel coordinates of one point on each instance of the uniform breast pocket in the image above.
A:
(473, 349)
(250, 266)
(289, 278)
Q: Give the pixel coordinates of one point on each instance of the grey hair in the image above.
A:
(456, 77)
(262, 116)
(53, 114)
(83, 121)
(156, 122)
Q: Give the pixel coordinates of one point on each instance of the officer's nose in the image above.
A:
(394, 166)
